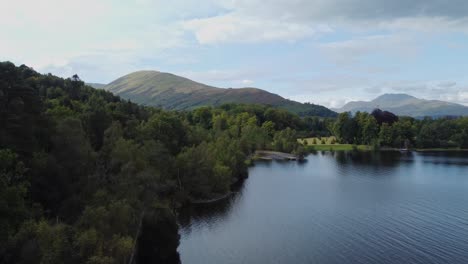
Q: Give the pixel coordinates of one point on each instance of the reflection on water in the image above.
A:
(209, 213)
(338, 207)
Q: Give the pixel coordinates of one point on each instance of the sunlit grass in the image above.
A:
(329, 143)
(318, 141)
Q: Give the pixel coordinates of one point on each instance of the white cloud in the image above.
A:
(336, 103)
(247, 82)
(292, 20)
(63, 36)
(238, 28)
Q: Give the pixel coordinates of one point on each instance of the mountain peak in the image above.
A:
(175, 92)
(407, 105)
(145, 72)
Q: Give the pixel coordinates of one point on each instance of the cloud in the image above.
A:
(313, 10)
(460, 96)
(247, 82)
(447, 84)
(336, 103)
(352, 50)
(426, 24)
(60, 36)
(254, 21)
(241, 29)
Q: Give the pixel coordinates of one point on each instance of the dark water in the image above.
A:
(338, 208)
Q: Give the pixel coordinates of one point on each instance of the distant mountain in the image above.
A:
(407, 105)
(174, 92)
(96, 85)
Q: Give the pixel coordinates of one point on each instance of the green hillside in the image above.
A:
(170, 91)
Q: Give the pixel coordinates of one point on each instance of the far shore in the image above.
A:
(349, 147)
(331, 144)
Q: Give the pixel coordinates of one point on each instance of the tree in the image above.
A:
(386, 135)
(13, 192)
(384, 117)
(167, 128)
(203, 117)
(285, 140)
(269, 128)
(367, 128)
(345, 128)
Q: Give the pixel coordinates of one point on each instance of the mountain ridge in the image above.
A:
(407, 105)
(174, 92)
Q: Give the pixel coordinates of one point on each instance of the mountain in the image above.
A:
(407, 105)
(174, 92)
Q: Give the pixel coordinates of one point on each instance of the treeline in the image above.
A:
(384, 129)
(82, 172)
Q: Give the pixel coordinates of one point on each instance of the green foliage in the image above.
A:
(167, 128)
(345, 128)
(285, 140)
(403, 133)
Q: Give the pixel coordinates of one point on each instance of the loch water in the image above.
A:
(337, 207)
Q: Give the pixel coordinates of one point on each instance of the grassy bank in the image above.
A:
(317, 141)
(338, 147)
(329, 143)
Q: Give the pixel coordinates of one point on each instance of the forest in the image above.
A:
(384, 129)
(86, 177)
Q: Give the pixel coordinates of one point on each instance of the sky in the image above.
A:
(326, 52)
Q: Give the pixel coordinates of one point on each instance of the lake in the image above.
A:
(340, 207)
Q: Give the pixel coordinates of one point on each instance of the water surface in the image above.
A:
(338, 208)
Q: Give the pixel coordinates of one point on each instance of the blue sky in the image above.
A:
(321, 51)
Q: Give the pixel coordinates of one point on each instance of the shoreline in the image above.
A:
(346, 147)
(216, 199)
(273, 155)
(265, 155)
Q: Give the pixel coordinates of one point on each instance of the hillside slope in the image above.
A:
(407, 105)
(170, 91)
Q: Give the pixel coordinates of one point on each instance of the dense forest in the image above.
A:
(384, 129)
(86, 177)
